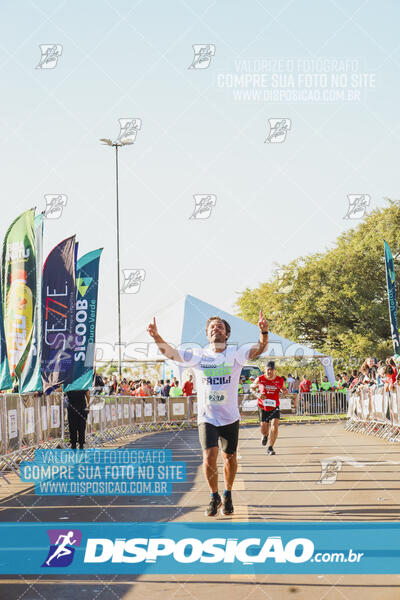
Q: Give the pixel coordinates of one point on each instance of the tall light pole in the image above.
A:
(117, 145)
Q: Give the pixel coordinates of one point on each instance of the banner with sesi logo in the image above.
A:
(31, 378)
(87, 279)
(19, 289)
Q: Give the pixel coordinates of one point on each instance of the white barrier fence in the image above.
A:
(375, 412)
(28, 422)
(322, 403)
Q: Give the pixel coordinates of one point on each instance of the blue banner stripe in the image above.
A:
(199, 548)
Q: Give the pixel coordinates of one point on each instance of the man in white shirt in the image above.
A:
(290, 382)
(217, 371)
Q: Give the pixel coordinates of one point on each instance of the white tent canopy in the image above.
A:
(183, 323)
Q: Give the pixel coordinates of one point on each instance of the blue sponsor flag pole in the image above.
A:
(87, 281)
(391, 291)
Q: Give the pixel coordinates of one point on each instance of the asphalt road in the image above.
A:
(284, 487)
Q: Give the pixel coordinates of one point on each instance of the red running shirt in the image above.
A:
(305, 386)
(268, 392)
(188, 388)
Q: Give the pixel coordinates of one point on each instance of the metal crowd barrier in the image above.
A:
(28, 422)
(321, 403)
(372, 411)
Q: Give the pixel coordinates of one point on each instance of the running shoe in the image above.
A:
(212, 508)
(271, 450)
(227, 506)
(264, 440)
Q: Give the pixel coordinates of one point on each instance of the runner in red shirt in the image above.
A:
(267, 388)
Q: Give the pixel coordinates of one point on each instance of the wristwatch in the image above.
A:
(264, 332)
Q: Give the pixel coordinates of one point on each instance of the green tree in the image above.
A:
(335, 301)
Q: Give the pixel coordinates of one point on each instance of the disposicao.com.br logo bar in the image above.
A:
(199, 548)
(247, 551)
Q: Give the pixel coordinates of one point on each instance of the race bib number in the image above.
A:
(270, 403)
(217, 398)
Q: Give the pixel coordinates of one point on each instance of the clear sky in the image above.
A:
(200, 134)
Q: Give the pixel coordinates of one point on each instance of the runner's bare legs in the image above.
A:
(273, 434)
(210, 467)
(264, 428)
(230, 469)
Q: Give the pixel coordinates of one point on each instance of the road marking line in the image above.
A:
(241, 515)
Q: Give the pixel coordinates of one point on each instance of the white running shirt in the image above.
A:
(217, 378)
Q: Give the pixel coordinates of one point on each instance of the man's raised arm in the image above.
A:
(262, 344)
(164, 348)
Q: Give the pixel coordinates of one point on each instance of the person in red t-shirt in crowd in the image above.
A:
(390, 361)
(305, 385)
(390, 376)
(143, 389)
(267, 388)
(188, 386)
(304, 388)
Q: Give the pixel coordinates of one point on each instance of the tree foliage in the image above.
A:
(335, 301)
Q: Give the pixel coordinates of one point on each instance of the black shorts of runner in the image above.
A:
(268, 415)
(228, 434)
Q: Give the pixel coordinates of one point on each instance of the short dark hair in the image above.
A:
(216, 318)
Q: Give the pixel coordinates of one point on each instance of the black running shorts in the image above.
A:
(268, 415)
(227, 434)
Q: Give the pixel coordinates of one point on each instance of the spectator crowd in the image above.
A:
(372, 373)
(382, 374)
(170, 388)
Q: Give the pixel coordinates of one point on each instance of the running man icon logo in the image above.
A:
(132, 280)
(128, 129)
(61, 551)
(278, 129)
(50, 55)
(330, 468)
(358, 204)
(55, 203)
(203, 54)
(203, 204)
